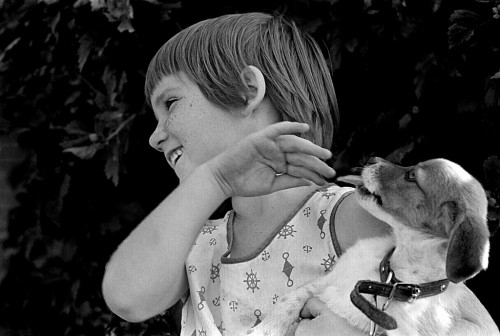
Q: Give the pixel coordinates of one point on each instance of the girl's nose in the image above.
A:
(157, 138)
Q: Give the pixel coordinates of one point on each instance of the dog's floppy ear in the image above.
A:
(468, 247)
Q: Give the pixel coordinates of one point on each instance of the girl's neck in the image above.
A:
(256, 218)
(278, 204)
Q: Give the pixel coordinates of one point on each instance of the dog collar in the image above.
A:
(405, 291)
(393, 289)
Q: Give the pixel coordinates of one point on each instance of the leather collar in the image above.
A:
(393, 289)
(404, 291)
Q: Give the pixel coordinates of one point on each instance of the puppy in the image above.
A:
(400, 284)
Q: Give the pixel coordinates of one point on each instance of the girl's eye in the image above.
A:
(410, 176)
(169, 102)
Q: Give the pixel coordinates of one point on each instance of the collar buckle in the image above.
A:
(415, 293)
(411, 291)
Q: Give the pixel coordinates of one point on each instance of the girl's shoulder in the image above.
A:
(221, 221)
(353, 222)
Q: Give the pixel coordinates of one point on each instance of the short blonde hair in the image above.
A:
(214, 52)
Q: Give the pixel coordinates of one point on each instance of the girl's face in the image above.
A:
(190, 129)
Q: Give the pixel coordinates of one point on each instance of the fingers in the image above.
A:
(285, 127)
(297, 177)
(313, 308)
(294, 144)
(287, 181)
(296, 160)
(282, 133)
(300, 169)
(304, 328)
(304, 166)
(311, 163)
(316, 319)
(291, 330)
(301, 172)
(319, 326)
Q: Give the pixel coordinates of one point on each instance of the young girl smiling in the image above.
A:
(246, 110)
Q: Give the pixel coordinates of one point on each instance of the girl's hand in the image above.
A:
(270, 160)
(321, 321)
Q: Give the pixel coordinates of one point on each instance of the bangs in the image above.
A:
(212, 53)
(168, 60)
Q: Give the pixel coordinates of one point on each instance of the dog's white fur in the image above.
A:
(438, 215)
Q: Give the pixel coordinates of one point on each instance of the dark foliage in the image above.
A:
(415, 79)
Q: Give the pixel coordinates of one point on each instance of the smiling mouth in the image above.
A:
(363, 191)
(174, 155)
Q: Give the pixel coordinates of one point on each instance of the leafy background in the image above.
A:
(415, 79)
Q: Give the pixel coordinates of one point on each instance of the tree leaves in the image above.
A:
(491, 168)
(84, 50)
(463, 24)
(66, 83)
(84, 152)
(415, 79)
(492, 95)
(492, 172)
(116, 11)
(112, 167)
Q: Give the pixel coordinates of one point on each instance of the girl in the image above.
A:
(245, 108)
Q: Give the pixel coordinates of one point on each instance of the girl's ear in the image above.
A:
(254, 79)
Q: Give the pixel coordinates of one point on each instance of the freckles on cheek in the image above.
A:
(174, 125)
(168, 123)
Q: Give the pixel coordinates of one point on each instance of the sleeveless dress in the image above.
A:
(233, 294)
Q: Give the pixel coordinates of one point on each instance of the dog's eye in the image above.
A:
(410, 176)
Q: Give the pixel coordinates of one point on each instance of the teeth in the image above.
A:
(175, 155)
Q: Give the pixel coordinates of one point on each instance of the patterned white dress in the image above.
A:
(229, 294)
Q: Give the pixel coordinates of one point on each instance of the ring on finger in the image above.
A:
(286, 162)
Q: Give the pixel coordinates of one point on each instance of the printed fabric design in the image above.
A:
(228, 294)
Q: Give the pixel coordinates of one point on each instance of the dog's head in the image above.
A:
(436, 197)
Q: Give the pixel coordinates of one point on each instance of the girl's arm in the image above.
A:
(321, 321)
(146, 274)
